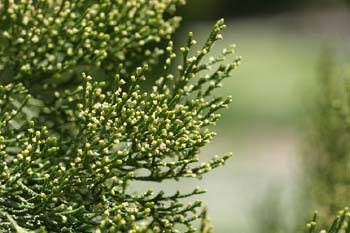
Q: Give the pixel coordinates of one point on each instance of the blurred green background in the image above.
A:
(261, 188)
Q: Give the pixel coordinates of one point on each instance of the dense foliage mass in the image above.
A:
(72, 142)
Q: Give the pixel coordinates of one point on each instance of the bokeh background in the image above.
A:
(261, 189)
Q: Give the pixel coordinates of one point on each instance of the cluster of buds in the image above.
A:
(43, 39)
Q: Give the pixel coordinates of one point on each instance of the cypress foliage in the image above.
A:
(76, 127)
(341, 224)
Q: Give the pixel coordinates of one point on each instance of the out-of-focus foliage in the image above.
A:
(239, 8)
(328, 155)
